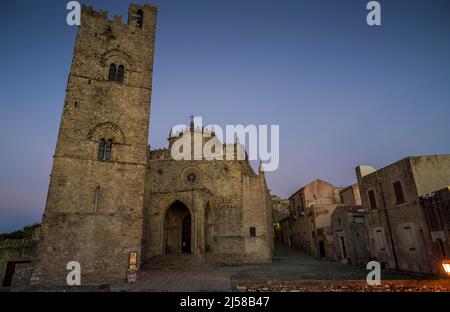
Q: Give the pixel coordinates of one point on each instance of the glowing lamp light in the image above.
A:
(446, 266)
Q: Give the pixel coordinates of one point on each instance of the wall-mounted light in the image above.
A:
(446, 266)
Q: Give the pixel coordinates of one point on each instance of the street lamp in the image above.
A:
(446, 266)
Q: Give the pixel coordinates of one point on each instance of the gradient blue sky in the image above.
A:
(342, 92)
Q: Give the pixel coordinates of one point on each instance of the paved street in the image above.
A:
(291, 264)
(181, 272)
(187, 273)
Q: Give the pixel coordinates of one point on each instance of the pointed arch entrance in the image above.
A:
(177, 229)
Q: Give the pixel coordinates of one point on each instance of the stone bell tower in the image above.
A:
(94, 209)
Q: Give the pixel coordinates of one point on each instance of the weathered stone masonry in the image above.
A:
(109, 195)
(100, 235)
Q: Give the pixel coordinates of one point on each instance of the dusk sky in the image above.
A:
(343, 93)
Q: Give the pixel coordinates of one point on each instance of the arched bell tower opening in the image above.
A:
(177, 229)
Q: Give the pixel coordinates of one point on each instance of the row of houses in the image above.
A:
(398, 215)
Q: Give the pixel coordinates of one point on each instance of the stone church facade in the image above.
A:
(224, 205)
(110, 197)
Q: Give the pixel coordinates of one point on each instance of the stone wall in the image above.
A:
(343, 286)
(350, 241)
(257, 205)
(94, 209)
(15, 250)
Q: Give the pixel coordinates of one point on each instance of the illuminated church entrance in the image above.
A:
(177, 229)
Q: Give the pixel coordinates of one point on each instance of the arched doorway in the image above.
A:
(177, 229)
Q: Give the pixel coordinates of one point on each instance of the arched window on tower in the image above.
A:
(108, 148)
(112, 72)
(139, 18)
(101, 149)
(120, 73)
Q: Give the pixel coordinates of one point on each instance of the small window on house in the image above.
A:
(97, 198)
(399, 192)
(408, 238)
(252, 232)
(343, 248)
(101, 149)
(372, 200)
(112, 72)
(342, 199)
(120, 73)
(379, 240)
(139, 18)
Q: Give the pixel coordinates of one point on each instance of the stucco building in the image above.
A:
(399, 236)
(436, 207)
(311, 208)
(350, 195)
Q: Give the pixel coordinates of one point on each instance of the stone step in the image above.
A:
(174, 261)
